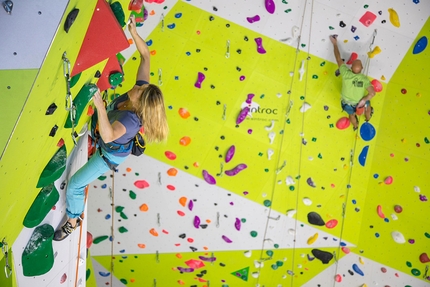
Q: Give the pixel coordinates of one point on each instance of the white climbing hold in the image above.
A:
(291, 212)
(279, 95)
(271, 126)
(302, 70)
(289, 180)
(310, 158)
(272, 137)
(270, 153)
(291, 231)
(279, 181)
(305, 107)
(255, 274)
(417, 189)
(394, 217)
(299, 266)
(307, 201)
(258, 264)
(81, 261)
(291, 74)
(398, 237)
(264, 195)
(247, 253)
(295, 31)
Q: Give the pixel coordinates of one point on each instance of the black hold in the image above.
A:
(212, 87)
(196, 119)
(215, 8)
(134, 58)
(211, 18)
(53, 131)
(193, 248)
(199, 275)
(215, 204)
(383, 21)
(40, 12)
(15, 53)
(342, 24)
(75, 134)
(198, 50)
(246, 38)
(204, 272)
(51, 109)
(205, 68)
(97, 74)
(63, 184)
(183, 235)
(186, 167)
(225, 215)
(218, 103)
(239, 51)
(8, 87)
(220, 156)
(227, 25)
(337, 73)
(380, 12)
(236, 126)
(204, 226)
(238, 69)
(328, 117)
(222, 264)
(216, 148)
(324, 256)
(342, 158)
(350, 272)
(222, 137)
(315, 219)
(70, 19)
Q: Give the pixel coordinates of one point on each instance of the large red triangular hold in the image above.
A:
(112, 66)
(103, 39)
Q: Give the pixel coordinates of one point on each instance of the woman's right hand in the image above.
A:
(98, 101)
(132, 25)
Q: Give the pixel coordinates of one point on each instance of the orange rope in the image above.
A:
(79, 243)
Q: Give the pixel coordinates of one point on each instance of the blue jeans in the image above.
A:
(350, 109)
(75, 194)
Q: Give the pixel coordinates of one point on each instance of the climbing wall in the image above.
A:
(277, 196)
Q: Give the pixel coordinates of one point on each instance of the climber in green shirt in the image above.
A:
(354, 86)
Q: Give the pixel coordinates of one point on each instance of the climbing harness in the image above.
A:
(4, 249)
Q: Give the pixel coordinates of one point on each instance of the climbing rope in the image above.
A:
(80, 239)
(112, 195)
(288, 109)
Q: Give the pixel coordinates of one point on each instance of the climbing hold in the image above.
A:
(307, 201)
(99, 239)
(254, 233)
(315, 219)
(38, 255)
(394, 18)
(226, 239)
(45, 200)
(424, 258)
(420, 45)
(256, 18)
(374, 52)
(305, 107)
(388, 180)
(357, 269)
(259, 42)
(267, 203)
(170, 155)
(377, 86)
(242, 115)
(51, 109)
(367, 19)
(208, 178)
(338, 278)
(324, 256)
(416, 272)
(122, 229)
(363, 155)
(63, 278)
(379, 211)
(352, 58)
(236, 170)
(141, 184)
(171, 26)
(289, 180)
(172, 171)
(270, 6)
(144, 207)
(331, 223)
(132, 194)
(230, 153)
(153, 232)
(310, 182)
(54, 169)
(242, 78)
(184, 113)
(185, 141)
(398, 208)
(200, 78)
(312, 239)
(345, 250)
(237, 224)
(178, 15)
(398, 237)
(71, 17)
(367, 131)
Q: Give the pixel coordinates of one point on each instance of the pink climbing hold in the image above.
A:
(343, 123)
(63, 278)
(236, 170)
(331, 223)
(170, 155)
(260, 48)
(208, 178)
(251, 20)
(237, 224)
(338, 278)
(242, 115)
(388, 180)
(377, 86)
(352, 58)
(200, 78)
(345, 250)
(270, 6)
(249, 98)
(367, 19)
(230, 153)
(141, 184)
(226, 239)
(190, 205)
(89, 239)
(195, 264)
(398, 208)
(196, 222)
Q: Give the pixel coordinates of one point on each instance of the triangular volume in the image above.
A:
(242, 273)
(104, 38)
(112, 66)
(54, 169)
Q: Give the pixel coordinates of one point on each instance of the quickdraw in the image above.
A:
(70, 107)
(7, 268)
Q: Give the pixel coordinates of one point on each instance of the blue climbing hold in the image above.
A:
(104, 186)
(171, 26)
(149, 43)
(107, 216)
(178, 15)
(363, 155)
(104, 274)
(420, 45)
(375, 175)
(357, 270)
(367, 131)
(416, 1)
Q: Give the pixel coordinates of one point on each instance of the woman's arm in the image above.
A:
(143, 70)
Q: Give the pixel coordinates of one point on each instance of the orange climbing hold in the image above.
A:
(196, 164)
(128, 169)
(181, 282)
(90, 111)
(153, 52)
(141, 245)
(153, 232)
(179, 255)
(208, 221)
(172, 171)
(184, 113)
(183, 201)
(152, 13)
(185, 141)
(132, 280)
(143, 207)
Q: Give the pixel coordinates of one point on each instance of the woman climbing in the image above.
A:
(118, 124)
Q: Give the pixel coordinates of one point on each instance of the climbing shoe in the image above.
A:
(65, 230)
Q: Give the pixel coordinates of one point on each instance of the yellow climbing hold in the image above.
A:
(364, 285)
(418, 95)
(394, 18)
(383, 78)
(375, 51)
(361, 260)
(312, 239)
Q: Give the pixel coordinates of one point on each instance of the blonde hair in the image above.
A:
(152, 112)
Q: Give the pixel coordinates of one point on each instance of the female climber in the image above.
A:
(118, 124)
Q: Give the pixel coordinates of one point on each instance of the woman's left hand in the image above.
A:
(98, 101)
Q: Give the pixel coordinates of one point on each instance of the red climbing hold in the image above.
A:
(141, 184)
(352, 58)
(170, 155)
(343, 123)
(170, 187)
(331, 223)
(181, 213)
(89, 239)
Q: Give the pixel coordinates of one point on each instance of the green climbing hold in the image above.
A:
(254, 233)
(115, 79)
(132, 194)
(276, 245)
(409, 264)
(99, 239)
(291, 188)
(122, 229)
(41, 206)
(314, 77)
(320, 155)
(266, 170)
(260, 154)
(123, 216)
(269, 253)
(88, 274)
(54, 169)
(123, 281)
(427, 235)
(288, 121)
(38, 255)
(243, 220)
(242, 273)
(287, 11)
(331, 28)
(322, 64)
(74, 80)
(80, 102)
(426, 140)
(119, 208)
(302, 98)
(279, 263)
(331, 125)
(416, 272)
(262, 96)
(274, 266)
(366, 6)
(118, 12)
(120, 58)
(314, 139)
(136, 174)
(101, 178)
(303, 45)
(152, 73)
(285, 2)
(267, 203)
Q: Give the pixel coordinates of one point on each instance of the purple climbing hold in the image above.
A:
(208, 178)
(190, 205)
(237, 224)
(200, 78)
(185, 270)
(226, 239)
(230, 153)
(260, 48)
(249, 98)
(196, 222)
(207, 259)
(242, 115)
(270, 6)
(256, 18)
(236, 170)
(311, 182)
